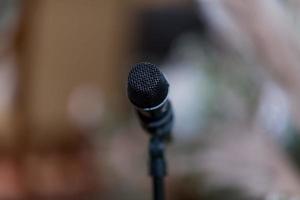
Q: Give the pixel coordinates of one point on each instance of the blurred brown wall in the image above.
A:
(67, 43)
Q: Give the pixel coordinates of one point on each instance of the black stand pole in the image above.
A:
(157, 166)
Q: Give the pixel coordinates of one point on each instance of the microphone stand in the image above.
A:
(157, 167)
(147, 90)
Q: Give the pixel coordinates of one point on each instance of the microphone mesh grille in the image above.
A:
(147, 86)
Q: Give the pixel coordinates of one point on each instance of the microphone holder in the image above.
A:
(157, 166)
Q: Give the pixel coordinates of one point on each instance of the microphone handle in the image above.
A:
(158, 122)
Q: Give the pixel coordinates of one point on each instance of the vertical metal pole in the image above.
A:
(157, 167)
(158, 188)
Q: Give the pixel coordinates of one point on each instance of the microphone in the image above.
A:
(147, 90)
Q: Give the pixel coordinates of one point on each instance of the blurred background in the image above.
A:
(68, 131)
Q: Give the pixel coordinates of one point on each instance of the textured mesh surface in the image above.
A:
(147, 86)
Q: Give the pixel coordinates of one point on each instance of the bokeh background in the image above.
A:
(68, 131)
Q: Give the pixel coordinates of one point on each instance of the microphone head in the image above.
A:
(147, 86)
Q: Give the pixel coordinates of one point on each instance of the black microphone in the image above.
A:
(148, 91)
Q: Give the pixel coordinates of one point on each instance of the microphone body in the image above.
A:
(157, 120)
(148, 92)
